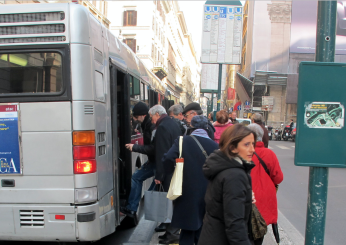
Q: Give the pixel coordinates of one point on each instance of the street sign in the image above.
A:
(209, 77)
(267, 103)
(247, 105)
(222, 34)
(231, 109)
(321, 115)
(239, 107)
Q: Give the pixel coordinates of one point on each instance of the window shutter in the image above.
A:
(134, 45)
(125, 19)
(134, 19)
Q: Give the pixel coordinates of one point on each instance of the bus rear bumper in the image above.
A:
(51, 222)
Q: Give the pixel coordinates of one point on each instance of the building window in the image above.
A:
(131, 42)
(130, 18)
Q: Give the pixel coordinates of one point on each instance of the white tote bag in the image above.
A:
(176, 186)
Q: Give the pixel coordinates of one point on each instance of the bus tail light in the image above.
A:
(60, 217)
(85, 195)
(84, 152)
(83, 138)
(84, 166)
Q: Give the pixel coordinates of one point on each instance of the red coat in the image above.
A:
(219, 128)
(264, 186)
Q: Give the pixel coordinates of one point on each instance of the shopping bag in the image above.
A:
(176, 185)
(156, 205)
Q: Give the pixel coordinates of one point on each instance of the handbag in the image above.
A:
(176, 186)
(156, 205)
(258, 224)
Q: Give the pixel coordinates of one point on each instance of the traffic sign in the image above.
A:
(247, 102)
(239, 107)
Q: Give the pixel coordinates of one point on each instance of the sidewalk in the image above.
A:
(144, 233)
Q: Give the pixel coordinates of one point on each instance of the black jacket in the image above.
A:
(165, 135)
(189, 208)
(228, 201)
(147, 148)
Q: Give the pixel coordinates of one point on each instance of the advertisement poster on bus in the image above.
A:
(9, 148)
(304, 23)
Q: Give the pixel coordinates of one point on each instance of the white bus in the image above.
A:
(67, 87)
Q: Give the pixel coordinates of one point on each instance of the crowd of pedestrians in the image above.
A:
(228, 169)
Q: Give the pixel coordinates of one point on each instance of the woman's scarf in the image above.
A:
(201, 133)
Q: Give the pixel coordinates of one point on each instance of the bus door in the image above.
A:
(121, 133)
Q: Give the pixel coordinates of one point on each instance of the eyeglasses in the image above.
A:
(186, 115)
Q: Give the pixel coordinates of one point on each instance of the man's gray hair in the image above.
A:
(157, 109)
(175, 109)
(257, 118)
(257, 129)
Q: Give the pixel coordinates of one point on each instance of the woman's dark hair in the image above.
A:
(222, 117)
(231, 137)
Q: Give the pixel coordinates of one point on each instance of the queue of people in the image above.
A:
(226, 170)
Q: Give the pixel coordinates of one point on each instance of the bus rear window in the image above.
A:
(30, 73)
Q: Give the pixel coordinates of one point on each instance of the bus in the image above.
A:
(67, 89)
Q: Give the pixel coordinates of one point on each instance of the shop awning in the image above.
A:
(270, 78)
(247, 84)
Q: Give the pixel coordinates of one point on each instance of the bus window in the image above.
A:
(146, 94)
(30, 73)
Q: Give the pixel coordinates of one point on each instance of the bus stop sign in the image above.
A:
(321, 128)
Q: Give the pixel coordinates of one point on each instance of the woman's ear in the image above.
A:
(233, 149)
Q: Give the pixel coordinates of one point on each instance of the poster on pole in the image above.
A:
(209, 77)
(10, 160)
(222, 34)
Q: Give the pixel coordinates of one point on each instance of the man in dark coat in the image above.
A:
(165, 133)
(141, 115)
(189, 208)
(194, 109)
(258, 119)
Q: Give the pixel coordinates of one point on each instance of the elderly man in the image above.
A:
(176, 112)
(233, 117)
(258, 119)
(165, 133)
(194, 109)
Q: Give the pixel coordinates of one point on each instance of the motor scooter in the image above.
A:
(287, 133)
(294, 133)
(277, 134)
(270, 132)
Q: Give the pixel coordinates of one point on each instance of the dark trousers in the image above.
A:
(189, 237)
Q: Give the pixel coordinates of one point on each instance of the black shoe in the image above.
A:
(163, 237)
(161, 228)
(128, 212)
(169, 241)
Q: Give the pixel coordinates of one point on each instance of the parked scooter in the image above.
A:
(287, 133)
(270, 132)
(294, 133)
(277, 134)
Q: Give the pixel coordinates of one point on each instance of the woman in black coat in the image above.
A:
(229, 193)
(189, 208)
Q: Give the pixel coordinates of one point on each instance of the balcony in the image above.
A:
(160, 70)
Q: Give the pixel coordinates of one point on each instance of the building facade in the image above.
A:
(157, 32)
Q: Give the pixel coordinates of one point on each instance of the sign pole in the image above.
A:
(219, 88)
(318, 176)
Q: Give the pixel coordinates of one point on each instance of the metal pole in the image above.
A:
(318, 176)
(219, 88)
